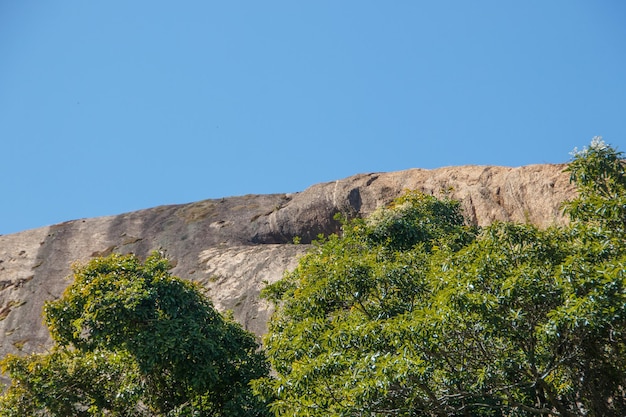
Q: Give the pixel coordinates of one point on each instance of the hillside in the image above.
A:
(233, 245)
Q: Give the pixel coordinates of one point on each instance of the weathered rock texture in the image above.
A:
(234, 245)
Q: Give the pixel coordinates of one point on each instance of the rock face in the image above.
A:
(235, 245)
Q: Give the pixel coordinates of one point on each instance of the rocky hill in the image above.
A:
(234, 245)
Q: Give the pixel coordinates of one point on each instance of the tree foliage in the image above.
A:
(413, 313)
(599, 172)
(410, 312)
(132, 340)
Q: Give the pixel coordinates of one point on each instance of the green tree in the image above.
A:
(132, 340)
(412, 313)
(599, 172)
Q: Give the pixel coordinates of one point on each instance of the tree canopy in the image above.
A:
(410, 312)
(413, 313)
(132, 340)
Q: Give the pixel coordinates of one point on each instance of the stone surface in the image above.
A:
(233, 246)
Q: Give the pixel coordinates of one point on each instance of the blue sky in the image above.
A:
(113, 106)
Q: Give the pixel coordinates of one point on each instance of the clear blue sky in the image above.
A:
(112, 106)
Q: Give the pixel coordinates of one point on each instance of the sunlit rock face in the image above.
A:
(234, 246)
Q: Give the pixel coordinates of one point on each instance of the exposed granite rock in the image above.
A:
(234, 245)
